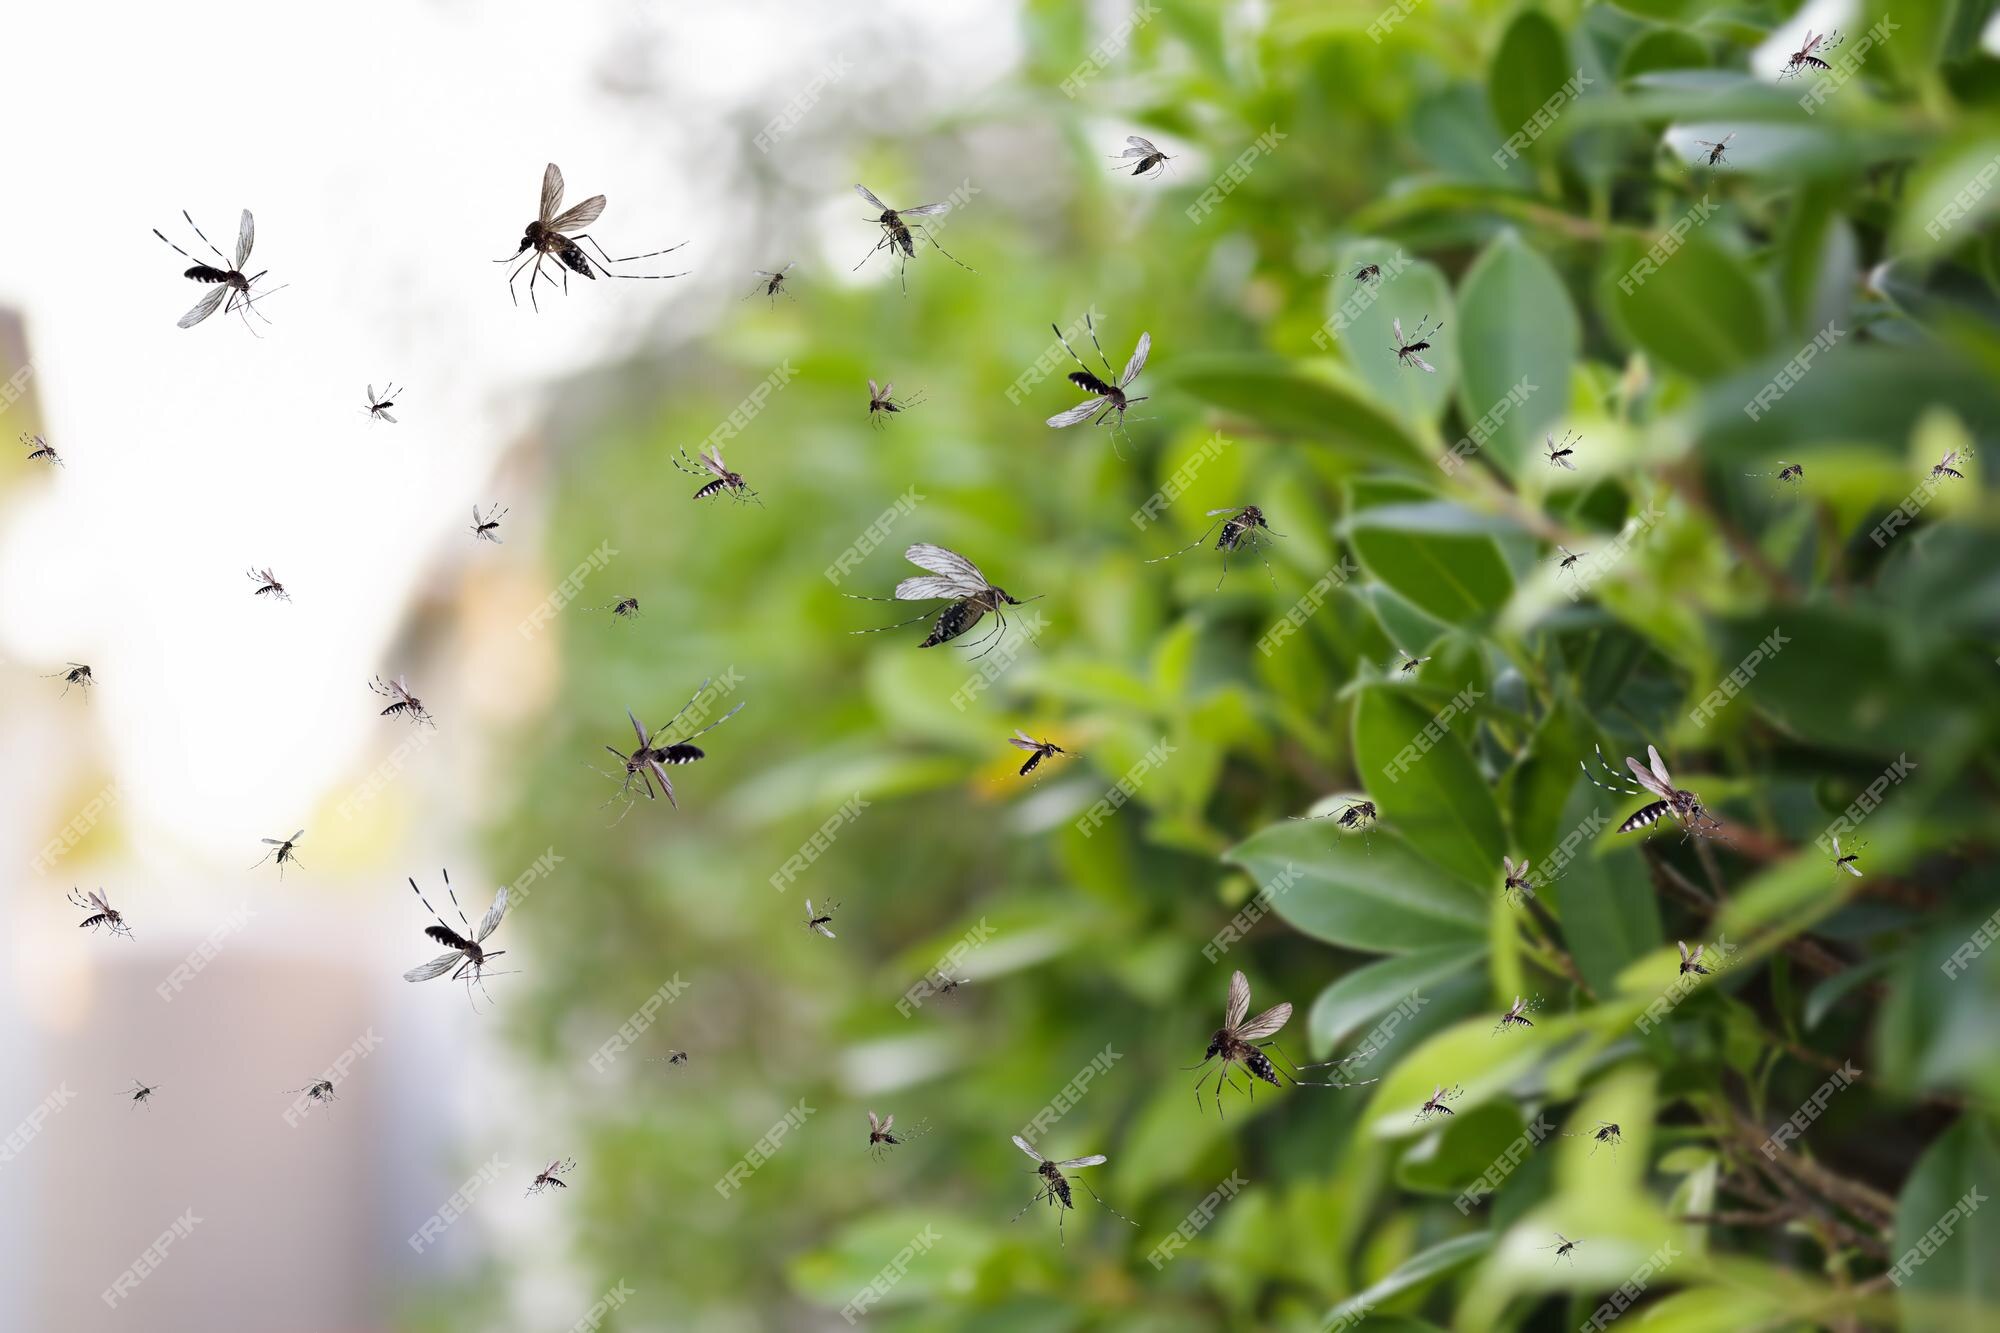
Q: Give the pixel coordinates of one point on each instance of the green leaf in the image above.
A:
(1418, 1270)
(1530, 65)
(1356, 1001)
(1662, 48)
(1367, 338)
(1511, 288)
(1700, 311)
(1324, 405)
(1952, 192)
(1381, 898)
(1457, 577)
(1435, 797)
(1957, 1286)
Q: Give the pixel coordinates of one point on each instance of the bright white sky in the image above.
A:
(389, 152)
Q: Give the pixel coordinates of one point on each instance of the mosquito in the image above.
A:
(1569, 557)
(881, 403)
(625, 608)
(1847, 860)
(483, 529)
(77, 675)
(818, 919)
(1408, 347)
(650, 760)
(1354, 817)
(1944, 467)
(1518, 886)
(554, 234)
(1021, 740)
(43, 451)
(1150, 157)
(1685, 807)
(379, 404)
(674, 1057)
(896, 235)
(1055, 1186)
(403, 702)
(1367, 273)
(1244, 526)
(1517, 1015)
(1436, 1105)
(1715, 148)
(1562, 1248)
(954, 577)
(1563, 455)
(708, 463)
(1407, 665)
(1110, 401)
(881, 1138)
(1237, 1042)
(102, 913)
(1691, 962)
(283, 849)
(548, 1177)
(1607, 1134)
(466, 955)
(1803, 59)
(320, 1091)
(141, 1092)
(943, 983)
(229, 280)
(268, 585)
(774, 282)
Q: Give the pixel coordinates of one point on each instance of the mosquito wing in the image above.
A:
(1019, 1142)
(948, 563)
(1075, 414)
(372, 399)
(924, 210)
(1422, 364)
(1811, 42)
(581, 216)
(1508, 861)
(1138, 361)
(928, 587)
(1239, 1000)
(1646, 779)
(1397, 325)
(640, 727)
(712, 460)
(1140, 147)
(385, 416)
(886, 1124)
(1021, 740)
(552, 192)
(1946, 460)
(874, 1125)
(867, 194)
(103, 903)
(204, 307)
(296, 836)
(874, 393)
(1683, 949)
(1850, 868)
(1660, 769)
(1836, 844)
(491, 921)
(436, 967)
(1266, 1023)
(1561, 462)
(1094, 1159)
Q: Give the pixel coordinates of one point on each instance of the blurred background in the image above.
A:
(389, 153)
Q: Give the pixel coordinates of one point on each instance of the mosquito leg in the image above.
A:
(864, 259)
(1267, 562)
(1110, 374)
(1039, 1196)
(1105, 1206)
(205, 241)
(586, 236)
(1185, 549)
(997, 634)
(877, 629)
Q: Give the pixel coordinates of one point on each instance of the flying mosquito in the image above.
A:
(720, 478)
(1021, 740)
(283, 849)
(1354, 817)
(102, 913)
(674, 1057)
(320, 1091)
(77, 675)
(1237, 1042)
(1562, 1248)
(774, 282)
(1408, 347)
(548, 1177)
(403, 702)
(817, 919)
(1944, 467)
(1110, 401)
(625, 608)
(1803, 59)
(951, 576)
(1789, 473)
(1517, 1015)
(1244, 526)
(555, 234)
(1518, 886)
(1436, 1105)
(1847, 861)
(1407, 665)
(1607, 1134)
(230, 282)
(1685, 807)
(1563, 455)
(897, 235)
(1150, 157)
(1715, 148)
(379, 404)
(881, 1137)
(941, 982)
(466, 956)
(1691, 962)
(650, 760)
(268, 585)
(43, 451)
(881, 403)
(141, 1092)
(483, 529)
(1367, 273)
(1055, 1186)
(1569, 557)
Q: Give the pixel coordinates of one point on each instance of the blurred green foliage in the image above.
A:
(1888, 650)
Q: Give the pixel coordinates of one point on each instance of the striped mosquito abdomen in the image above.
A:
(1646, 816)
(1257, 1063)
(956, 619)
(1058, 1184)
(683, 753)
